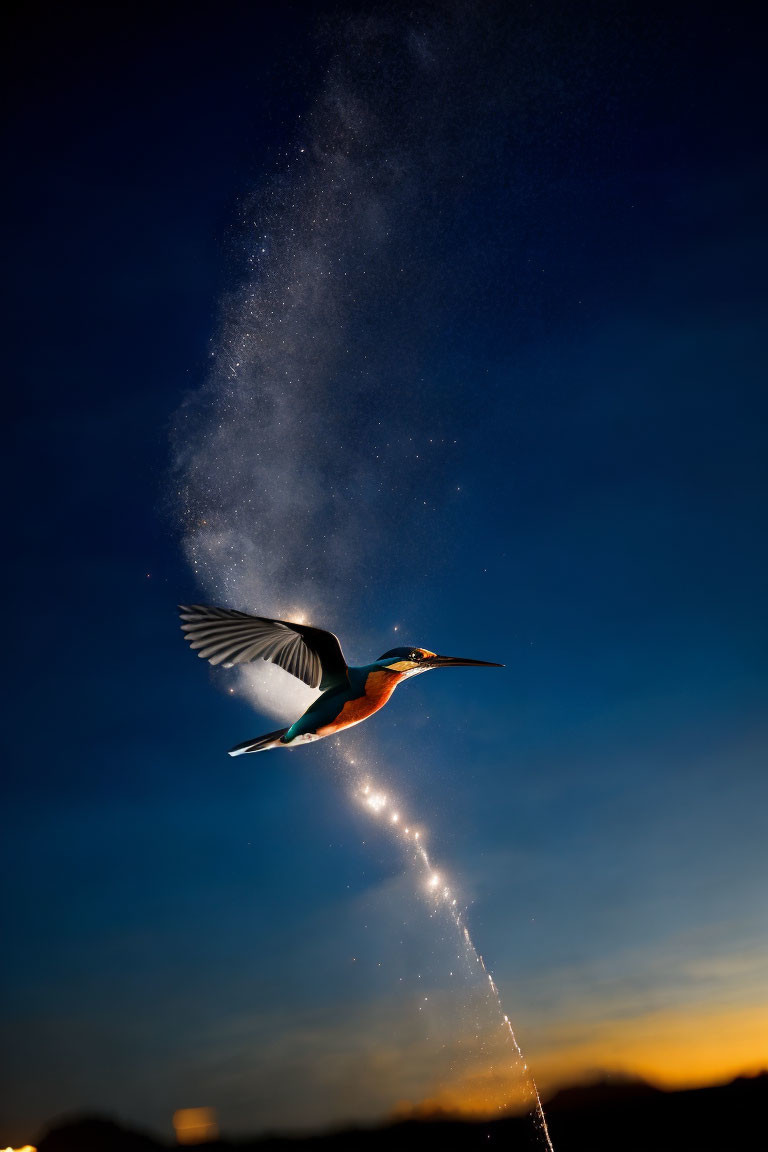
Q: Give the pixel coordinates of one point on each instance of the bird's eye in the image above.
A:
(415, 656)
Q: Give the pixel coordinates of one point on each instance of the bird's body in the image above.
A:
(349, 695)
(369, 689)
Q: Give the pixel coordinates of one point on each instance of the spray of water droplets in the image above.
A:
(403, 830)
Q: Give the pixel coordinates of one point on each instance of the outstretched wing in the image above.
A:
(223, 636)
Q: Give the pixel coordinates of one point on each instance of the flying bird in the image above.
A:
(349, 695)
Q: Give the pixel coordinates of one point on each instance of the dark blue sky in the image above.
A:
(545, 446)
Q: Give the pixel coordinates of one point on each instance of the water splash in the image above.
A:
(410, 838)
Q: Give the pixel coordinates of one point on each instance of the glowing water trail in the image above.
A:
(378, 802)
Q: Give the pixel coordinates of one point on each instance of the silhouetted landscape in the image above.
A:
(622, 1117)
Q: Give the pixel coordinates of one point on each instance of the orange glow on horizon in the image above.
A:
(672, 1049)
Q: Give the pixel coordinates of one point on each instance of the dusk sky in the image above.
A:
(434, 324)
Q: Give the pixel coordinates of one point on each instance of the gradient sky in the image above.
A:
(526, 417)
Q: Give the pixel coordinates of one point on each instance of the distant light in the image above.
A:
(195, 1125)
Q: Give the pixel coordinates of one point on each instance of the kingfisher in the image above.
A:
(225, 637)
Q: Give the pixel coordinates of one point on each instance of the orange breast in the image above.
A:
(379, 686)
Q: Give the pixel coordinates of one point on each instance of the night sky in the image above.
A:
(437, 325)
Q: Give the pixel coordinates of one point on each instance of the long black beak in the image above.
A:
(457, 662)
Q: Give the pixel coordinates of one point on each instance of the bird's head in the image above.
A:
(412, 661)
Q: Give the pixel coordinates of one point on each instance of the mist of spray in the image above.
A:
(319, 353)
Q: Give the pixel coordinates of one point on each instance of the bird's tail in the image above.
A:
(271, 740)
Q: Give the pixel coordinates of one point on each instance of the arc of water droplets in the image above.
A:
(378, 802)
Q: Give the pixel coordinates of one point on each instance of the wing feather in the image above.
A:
(226, 637)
